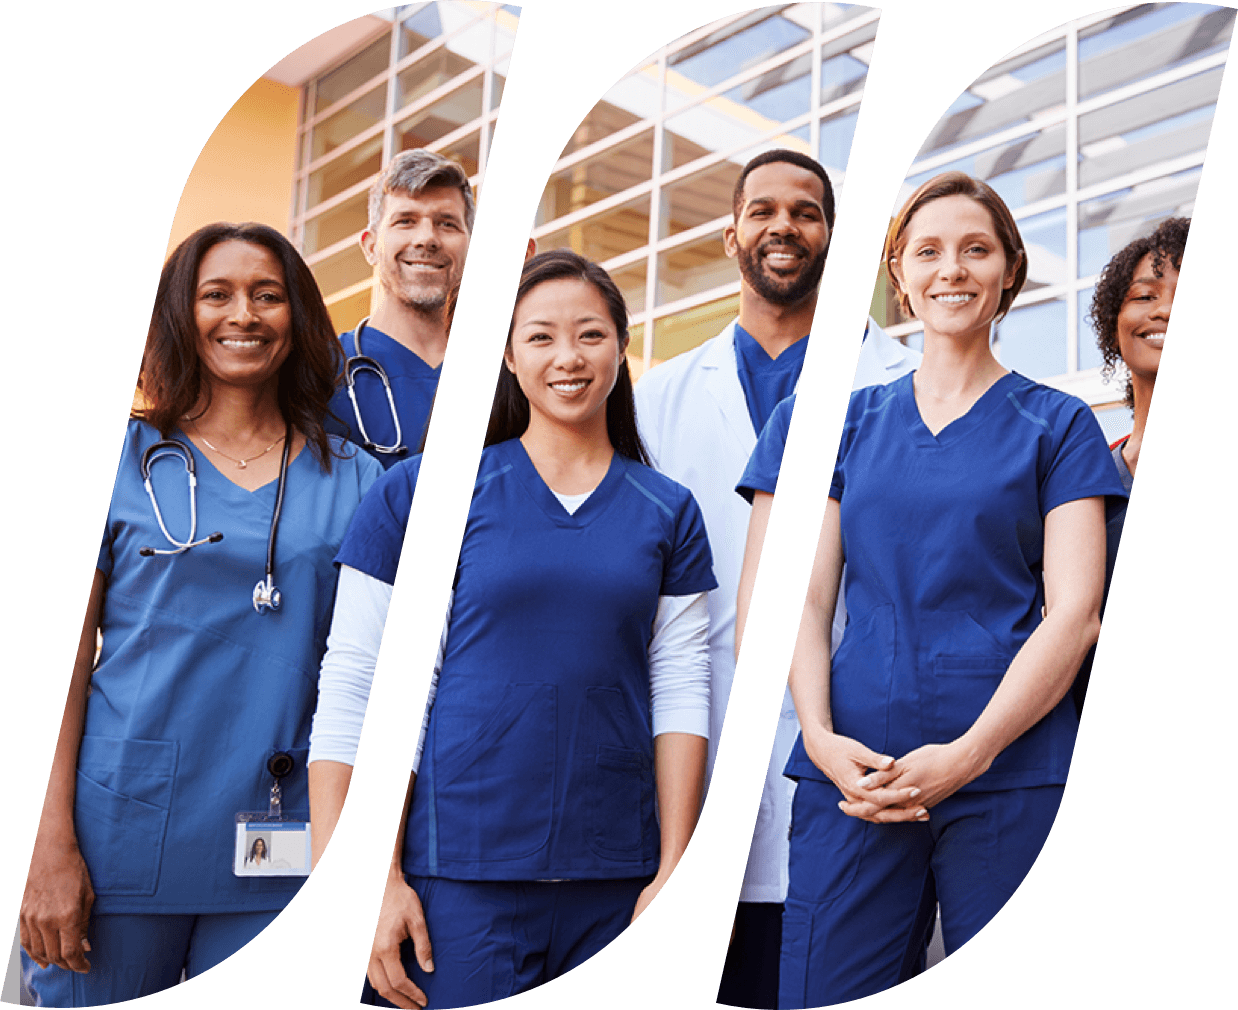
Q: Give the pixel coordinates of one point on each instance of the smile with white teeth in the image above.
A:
(1156, 339)
(953, 299)
(240, 343)
(569, 385)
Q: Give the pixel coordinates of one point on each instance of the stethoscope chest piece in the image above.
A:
(266, 596)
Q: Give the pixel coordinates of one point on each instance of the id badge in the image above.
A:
(267, 847)
(268, 844)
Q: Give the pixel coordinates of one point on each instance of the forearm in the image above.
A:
(328, 787)
(1036, 681)
(1045, 667)
(56, 821)
(758, 520)
(679, 769)
(397, 853)
(809, 678)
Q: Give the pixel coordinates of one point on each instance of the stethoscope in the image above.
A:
(363, 363)
(266, 596)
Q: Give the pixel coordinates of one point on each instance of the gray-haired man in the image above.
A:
(420, 218)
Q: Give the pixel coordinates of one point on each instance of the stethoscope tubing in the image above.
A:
(364, 363)
(265, 596)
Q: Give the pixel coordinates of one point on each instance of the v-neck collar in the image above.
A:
(594, 506)
(962, 425)
(210, 474)
(396, 355)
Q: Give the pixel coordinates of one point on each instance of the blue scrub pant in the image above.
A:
(136, 955)
(493, 939)
(860, 904)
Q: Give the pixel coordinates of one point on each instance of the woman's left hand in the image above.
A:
(937, 770)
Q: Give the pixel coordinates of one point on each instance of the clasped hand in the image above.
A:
(882, 789)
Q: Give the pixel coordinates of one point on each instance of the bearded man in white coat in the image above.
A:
(700, 414)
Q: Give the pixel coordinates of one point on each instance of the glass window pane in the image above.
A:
(348, 312)
(844, 63)
(1141, 131)
(699, 198)
(1089, 352)
(686, 330)
(432, 21)
(730, 50)
(1109, 222)
(466, 151)
(348, 169)
(615, 169)
(1147, 40)
(693, 268)
(1032, 340)
(837, 133)
(355, 118)
(631, 281)
(338, 223)
(636, 350)
(341, 271)
(449, 113)
(1044, 239)
(429, 73)
(352, 74)
(1024, 171)
(634, 98)
(745, 114)
(607, 235)
(1011, 93)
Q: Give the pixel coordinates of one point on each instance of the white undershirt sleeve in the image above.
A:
(679, 666)
(361, 603)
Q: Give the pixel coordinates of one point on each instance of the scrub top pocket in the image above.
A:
(493, 780)
(124, 791)
(620, 779)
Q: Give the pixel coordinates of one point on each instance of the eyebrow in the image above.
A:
(225, 280)
(551, 322)
(798, 203)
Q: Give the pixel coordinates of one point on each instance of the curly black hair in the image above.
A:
(1166, 243)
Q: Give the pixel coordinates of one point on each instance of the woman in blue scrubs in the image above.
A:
(968, 504)
(573, 688)
(171, 731)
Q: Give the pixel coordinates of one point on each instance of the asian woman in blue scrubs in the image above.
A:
(170, 732)
(968, 503)
(573, 691)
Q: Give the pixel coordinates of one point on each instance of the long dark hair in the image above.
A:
(171, 378)
(509, 417)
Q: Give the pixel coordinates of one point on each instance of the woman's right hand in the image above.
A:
(401, 918)
(55, 908)
(861, 776)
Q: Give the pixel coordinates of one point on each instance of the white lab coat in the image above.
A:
(694, 420)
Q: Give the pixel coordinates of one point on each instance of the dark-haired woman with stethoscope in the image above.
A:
(212, 595)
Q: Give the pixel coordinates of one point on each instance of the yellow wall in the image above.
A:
(244, 172)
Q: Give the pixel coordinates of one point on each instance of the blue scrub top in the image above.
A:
(194, 690)
(763, 467)
(943, 538)
(766, 381)
(413, 384)
(539, 756)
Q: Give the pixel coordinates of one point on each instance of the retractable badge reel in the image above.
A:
(267, 843)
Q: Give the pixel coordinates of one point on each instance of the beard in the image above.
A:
(774, 289)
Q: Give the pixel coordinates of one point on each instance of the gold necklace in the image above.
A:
(241, 463)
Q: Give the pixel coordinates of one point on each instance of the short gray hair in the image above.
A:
(412, 171)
